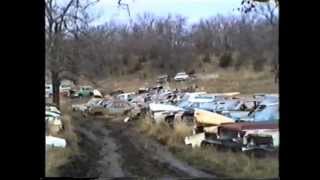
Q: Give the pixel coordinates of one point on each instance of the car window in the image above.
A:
(268, 114)
(207, 106)
(261, 107)
(195, 105)
(184, 104)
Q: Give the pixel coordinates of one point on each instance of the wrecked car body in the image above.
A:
(247, 136)
(53, 121)
(139, 100)
(205, 119)
(264, 112)
(162, 79)
(52, 141)
(184, 110)
(84, 107)
(197, 102)
(114, 106)
(206, 122)
(163, 112)
(97, 94)
(118, 107)
(126, 96)
(53, 109)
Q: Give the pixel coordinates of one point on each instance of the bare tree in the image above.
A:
(64, 19)
(249, 5)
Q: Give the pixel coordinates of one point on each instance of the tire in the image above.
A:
(170, 121)
(186, 120)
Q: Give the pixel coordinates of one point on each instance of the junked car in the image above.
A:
(264, 112)
(65, 89)
(181, 76)
(48, 90)
(206, 123)
(247, 136)
(52, 141)
(126, 96)
(84, 107)
(84, 91)
(97, 94)
(196, 102)
(53, 114)
(116, 92)
(53, 109)
(53, 120)
(182, 111)
(110, 107)
(209, 123)
(162, 79)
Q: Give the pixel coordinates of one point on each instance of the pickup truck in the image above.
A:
(84, 91)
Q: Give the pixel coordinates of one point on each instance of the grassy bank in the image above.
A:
(244, 81)
(229, 164)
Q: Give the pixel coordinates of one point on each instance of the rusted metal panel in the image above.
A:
(207, 117)
(249, 126)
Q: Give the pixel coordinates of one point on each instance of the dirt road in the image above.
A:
(112, 148)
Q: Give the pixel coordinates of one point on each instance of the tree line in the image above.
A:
(161, 44)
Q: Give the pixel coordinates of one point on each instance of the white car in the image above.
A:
(181, 76)
(126, 96)
(55, 142)
(86, 106)
(65, 88)
(48, 90)
(53, 109)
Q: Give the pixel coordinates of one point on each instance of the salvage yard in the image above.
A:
(209, 159)
(217, 80)
(110, 148)
(158, 92)
(127, 144)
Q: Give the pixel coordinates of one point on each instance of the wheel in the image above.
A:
(170, 121)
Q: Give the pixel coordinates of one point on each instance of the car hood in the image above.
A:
(163, 107)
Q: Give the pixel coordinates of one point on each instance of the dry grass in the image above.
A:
(245, 81)
(230, 164)
(56, 157)
(164, 133)
(126, 83)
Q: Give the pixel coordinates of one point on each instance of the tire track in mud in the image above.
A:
(111, 148)
(156, 158)
(98, 156)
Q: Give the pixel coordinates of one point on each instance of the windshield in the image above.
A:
(266, 113)
(207, 106)
(185, 104)
(204, 97)
(269, 100)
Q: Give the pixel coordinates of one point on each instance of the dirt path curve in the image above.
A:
(111, 148)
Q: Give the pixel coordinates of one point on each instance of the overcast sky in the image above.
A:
(194, 10)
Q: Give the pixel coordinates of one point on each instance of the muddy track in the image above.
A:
(112, 148)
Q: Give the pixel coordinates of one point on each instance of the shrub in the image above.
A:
(225, 60)
(206, 58)
(258, 64)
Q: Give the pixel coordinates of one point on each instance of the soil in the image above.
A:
(112, 148)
